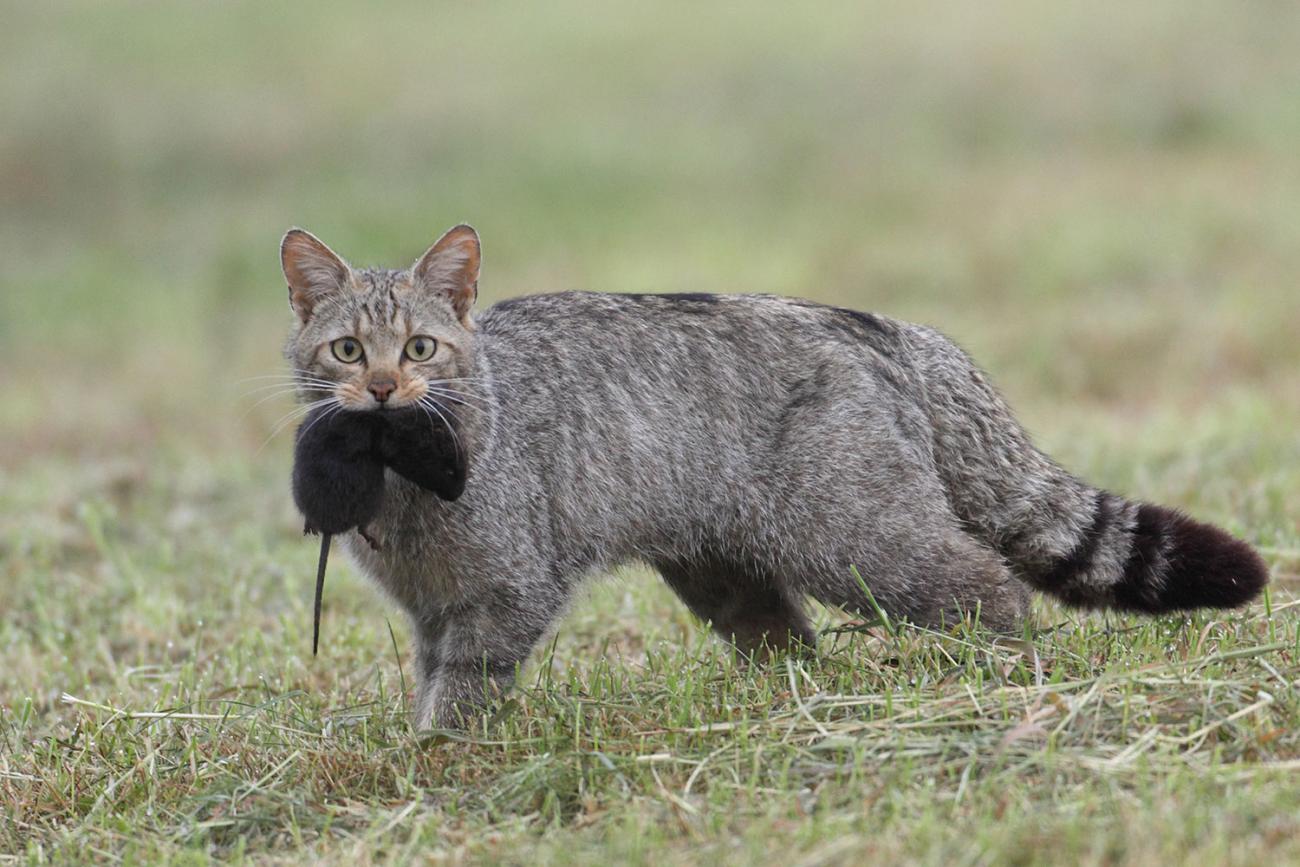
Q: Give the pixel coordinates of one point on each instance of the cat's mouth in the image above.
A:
(394, 402)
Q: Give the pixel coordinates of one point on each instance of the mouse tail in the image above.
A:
(320, 590)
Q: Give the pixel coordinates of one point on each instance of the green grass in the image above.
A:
(1100, 204)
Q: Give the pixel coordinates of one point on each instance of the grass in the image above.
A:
(1099, 206)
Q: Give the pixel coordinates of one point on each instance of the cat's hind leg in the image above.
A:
(755, 615)
(934, 580)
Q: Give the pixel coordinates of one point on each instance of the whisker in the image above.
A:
(329, 412)
(424, 409)
(295, 414)
(288, 388)
(286, 377)
(312, 404)
(289, 384)
(279, 388)
(293, 373)
(284, 392)
(473, 380)
(433, 424)
(450, 429)
(301, 410)
(292, 392)
(464, 398)
(452, 389)
(272, 396)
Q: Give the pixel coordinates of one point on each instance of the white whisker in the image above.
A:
(424, 409)
(284, 390)
(286, 386)
(272, 396)
(433, 405)
(471, 380)
(294, 373)
(295, 414)
(290, 384)
(324, 415)
(463, 397)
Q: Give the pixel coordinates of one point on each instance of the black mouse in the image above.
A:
(338, 482)
(338, 478)
(338, 471)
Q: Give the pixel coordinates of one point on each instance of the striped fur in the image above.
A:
(1167, 562)
(756, 450)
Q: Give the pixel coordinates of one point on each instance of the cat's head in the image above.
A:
(375, 338)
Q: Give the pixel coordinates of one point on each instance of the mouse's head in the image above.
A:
(377, 338)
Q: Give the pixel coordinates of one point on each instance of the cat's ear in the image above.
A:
(312, 271)
(450, 268)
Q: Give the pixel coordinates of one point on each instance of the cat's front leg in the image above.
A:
(471, 653)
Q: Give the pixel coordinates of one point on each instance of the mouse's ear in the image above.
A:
(429, 452)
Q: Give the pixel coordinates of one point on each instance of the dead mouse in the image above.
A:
(338, 471)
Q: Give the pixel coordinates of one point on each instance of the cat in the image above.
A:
(752, 449)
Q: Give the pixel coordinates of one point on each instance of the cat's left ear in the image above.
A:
(450, 268)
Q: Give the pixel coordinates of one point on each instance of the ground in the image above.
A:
(1098, 203)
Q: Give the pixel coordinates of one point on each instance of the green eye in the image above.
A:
(347, 350)
(421, 347)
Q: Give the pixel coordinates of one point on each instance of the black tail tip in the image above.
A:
(1203, 566)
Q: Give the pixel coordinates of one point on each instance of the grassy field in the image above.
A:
(1099, 202)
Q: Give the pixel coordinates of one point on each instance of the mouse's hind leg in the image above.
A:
(755, 615)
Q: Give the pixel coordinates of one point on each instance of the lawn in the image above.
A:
(1100, 204)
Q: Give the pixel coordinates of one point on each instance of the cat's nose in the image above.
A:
(382, 389)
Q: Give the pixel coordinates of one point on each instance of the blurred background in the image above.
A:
(1101, 202)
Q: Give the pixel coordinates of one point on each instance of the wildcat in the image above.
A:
(750, 448)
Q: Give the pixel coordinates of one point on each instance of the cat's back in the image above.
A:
(596, 323)
(662, 417)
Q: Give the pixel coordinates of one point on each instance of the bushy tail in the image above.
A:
(1151, 559)
(1087, 547)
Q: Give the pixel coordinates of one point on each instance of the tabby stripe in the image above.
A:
(1138, 589)
(1069, 567)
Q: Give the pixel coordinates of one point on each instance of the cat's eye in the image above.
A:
(347, 350)
(421, 347)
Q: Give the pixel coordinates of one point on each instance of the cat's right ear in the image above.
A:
(450, 268)
(312, 271)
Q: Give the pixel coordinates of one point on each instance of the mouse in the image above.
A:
(338, 483)
(338, 472)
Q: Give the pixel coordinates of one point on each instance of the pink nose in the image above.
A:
(382, 389)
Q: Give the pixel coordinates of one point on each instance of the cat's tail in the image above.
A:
(1151, 559)
(1085, 546)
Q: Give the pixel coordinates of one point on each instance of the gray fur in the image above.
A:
(750, 448)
